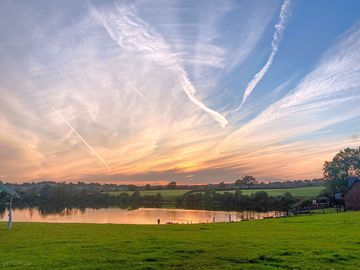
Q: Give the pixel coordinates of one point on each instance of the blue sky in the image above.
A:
(192, 91)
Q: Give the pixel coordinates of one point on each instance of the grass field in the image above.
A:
(330, 241)
(305, 192)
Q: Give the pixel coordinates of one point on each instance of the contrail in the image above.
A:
(130, 32)
(82, 139)
(137, 91)
(277, 37)
(190, 91)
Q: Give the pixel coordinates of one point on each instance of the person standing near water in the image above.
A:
(158, 221)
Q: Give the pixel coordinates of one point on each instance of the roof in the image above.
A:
(351, 182)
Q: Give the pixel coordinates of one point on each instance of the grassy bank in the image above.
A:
(330, 241)
(304, 192)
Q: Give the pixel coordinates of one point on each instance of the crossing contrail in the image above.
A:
(137, 91)
(131, 33)
(277, 37)
(82, 139)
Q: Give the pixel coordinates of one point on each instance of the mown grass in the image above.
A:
(304, 193)
(330, 241)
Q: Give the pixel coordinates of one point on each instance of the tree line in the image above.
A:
(236, 201)
(244, 182)
(57, 198)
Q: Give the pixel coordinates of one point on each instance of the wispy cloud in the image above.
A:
(142, 82)
(277, 37)
(295, 121)
(82, 139)
(131, 33)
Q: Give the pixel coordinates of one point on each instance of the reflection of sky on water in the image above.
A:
(138, 216)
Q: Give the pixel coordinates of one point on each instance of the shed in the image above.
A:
(352, 194)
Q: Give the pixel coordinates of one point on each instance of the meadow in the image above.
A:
(329, 241)
(303, 192)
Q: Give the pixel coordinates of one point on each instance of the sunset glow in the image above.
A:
(155, 91)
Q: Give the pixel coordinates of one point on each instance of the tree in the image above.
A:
(132, 187)
(158, 198)
(172, 185)
(246, 180)
(344, 164)
(136, 197)
(222, 185)
(287, 201)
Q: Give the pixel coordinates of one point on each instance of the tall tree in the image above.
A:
(344, 164)
(247, 180)
(172, 185)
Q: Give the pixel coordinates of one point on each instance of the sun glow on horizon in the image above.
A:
(149, 91)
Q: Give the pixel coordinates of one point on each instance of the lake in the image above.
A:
(137, 216)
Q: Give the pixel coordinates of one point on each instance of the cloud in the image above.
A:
(324, 98)
(277, 37)
(82, 139)
(131, 33)
(132, 91)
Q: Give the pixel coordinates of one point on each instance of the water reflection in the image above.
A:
(137, 216)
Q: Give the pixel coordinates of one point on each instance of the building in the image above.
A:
(351, 195)
(322, 202)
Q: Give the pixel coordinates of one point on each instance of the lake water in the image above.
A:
(138, 216)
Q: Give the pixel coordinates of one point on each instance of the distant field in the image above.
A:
(306, 192)
(316, 242)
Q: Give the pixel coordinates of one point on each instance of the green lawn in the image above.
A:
(306, 192)
(330, 241)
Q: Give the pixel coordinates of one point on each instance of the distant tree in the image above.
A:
(158, 198)
(261, 201)
(132, 187)
(238, 182)
(222, 185)
(287, 201)
(136, 197)
(172, 185)
(246, 180)
(344, 164)
(148, 187)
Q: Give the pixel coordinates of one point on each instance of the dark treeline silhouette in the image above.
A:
(246, 182)
(51, 196)
(260, 201)
(56, 198)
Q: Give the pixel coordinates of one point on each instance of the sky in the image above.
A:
(144, 91)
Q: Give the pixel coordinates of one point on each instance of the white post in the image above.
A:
(10, 214)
